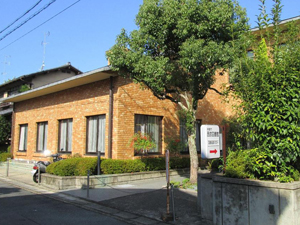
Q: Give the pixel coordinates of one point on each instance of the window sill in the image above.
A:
(21, 153)
(39, 154)
(154, 154)
(93, 154)
(65, 153)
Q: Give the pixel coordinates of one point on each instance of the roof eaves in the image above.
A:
(77, 71)
(280, 23)
(31, 93)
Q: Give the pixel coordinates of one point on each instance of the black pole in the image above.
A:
(98, 163)
(88, 185)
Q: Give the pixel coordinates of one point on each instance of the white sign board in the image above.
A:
(210, 141)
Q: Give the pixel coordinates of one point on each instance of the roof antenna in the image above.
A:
(5, 63)
(44, 43)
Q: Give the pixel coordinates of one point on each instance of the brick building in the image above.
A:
(99, 111)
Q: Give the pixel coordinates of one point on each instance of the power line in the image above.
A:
(21, 16)
(40, 24)
(38, 12)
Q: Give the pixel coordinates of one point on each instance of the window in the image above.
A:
(184, 137)
(65, 135)
(23, 137)
(96, 134)
(150, 125)
(42, 130)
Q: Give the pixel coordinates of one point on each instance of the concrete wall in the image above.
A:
(228, 201)
(73, 182)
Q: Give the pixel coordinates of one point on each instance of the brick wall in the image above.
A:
(93, 99)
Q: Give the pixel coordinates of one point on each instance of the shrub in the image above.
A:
(4, 156)
(65, 167)
(85, 164)
(236, 165)
(152, 164)
(114, 166)
(134, 166)
(258, 164)
(179, 163)
(79, 166)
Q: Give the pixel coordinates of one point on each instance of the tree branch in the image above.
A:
(220, 93)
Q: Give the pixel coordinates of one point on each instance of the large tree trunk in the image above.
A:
(190, 118)
(193, 158)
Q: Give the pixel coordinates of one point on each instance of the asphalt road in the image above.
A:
(20, 207)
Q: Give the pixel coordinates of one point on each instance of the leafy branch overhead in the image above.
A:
(179, 45)
(269, 87)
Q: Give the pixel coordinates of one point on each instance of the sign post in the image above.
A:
(224, 146)
(168, 181)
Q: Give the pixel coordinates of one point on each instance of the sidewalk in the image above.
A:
(142, 202)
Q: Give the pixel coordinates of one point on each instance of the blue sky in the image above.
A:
(80, 34)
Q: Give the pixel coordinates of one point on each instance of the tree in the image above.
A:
(269, 87)
(179, 46)
(5, 129)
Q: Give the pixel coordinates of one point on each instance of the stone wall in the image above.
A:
(228, 201)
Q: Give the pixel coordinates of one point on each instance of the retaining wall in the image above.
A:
(73, 182)
(229, 201)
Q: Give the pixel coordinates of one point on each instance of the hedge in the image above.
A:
(4, 156)
(80, 166)
(73, 167)
(115, 166)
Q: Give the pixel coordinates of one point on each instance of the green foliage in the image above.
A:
(179, 162)
(179, 45)
(85, 164)
(4, 148)
(115, 166)
(216, 164)
(5, 129)
(176, 184)
(24, 88)
(142, 143)
(269, 87)
(79, 166)
(73, 167)
(256, 164)
(152, 164)
(63, 168)
(236, 165)
(4, 156)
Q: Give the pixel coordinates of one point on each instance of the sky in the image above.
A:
(76, 31)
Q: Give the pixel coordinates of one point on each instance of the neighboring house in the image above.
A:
(100, 111)
(31, 81)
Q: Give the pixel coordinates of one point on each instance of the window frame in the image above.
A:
(98, 117)
(25, 139)
(67, 144)
(44, 137)
(159, 144)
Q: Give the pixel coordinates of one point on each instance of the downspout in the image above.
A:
(12, 132)
(110, 119)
